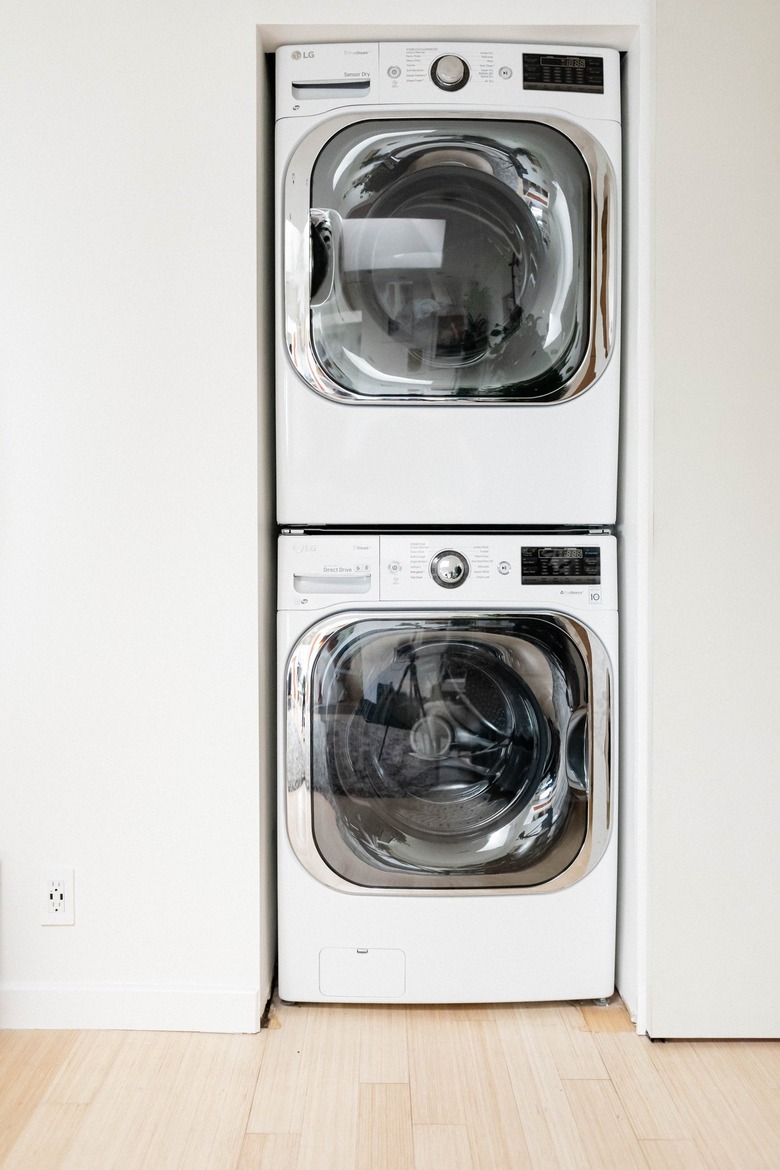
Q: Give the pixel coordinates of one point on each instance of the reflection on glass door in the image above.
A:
(450, 260)
(450, 753)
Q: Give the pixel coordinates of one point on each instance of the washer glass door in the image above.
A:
(451, 260)
(451, 752)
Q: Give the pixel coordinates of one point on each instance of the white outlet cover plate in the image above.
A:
(57, 905)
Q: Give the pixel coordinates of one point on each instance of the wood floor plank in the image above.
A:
(170, 1101)
(550, 1130)
(46, 1138)
(719, 1129)
(613, 1017)
(606, 1134)
(761, 1058)
(737, 1067)
(217, 1088)
(384, 1048)
(490, 1111)
(29, 1062)
(280, 1094)
(85, 1068)
(330, 1119)
(750, 1096)
(642, 1091)
(385, 1128)
(120, 1125)
(457, 1075)
(434, 1073)
(673, 1155)
(269, 1151)
(559, 1028)
(442, 1147)
(461, 1011)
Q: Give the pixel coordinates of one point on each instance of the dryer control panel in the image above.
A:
(315, 78)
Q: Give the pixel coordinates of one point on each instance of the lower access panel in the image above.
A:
(362, 973)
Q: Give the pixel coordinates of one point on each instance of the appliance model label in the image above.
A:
(574, 565)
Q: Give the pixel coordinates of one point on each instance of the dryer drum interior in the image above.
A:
(451, 256)
(449, 754)
(485, 228)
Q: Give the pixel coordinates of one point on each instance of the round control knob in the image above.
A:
(450, 72)
(449, 568)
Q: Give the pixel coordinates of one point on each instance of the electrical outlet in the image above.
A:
(57, 896)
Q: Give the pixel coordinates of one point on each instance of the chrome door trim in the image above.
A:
(296, 748)
(296, 263)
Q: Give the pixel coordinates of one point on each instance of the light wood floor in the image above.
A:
(550, 1087)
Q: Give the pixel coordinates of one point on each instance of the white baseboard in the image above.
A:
(131, 1007)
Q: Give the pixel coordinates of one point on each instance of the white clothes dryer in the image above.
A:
(448, 233)
(447, 787)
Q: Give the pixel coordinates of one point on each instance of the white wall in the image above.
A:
(131, 689)
(715, 881)
(635, 515)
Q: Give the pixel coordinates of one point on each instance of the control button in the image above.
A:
(505, 72)
(594, 596)
(450, 72)
(504, 567)
(395, 567)
(449, 569)
(394, 71)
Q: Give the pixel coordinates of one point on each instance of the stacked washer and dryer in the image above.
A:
(447, 434)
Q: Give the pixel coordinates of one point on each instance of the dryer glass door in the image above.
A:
(451, 260)
(450, 752)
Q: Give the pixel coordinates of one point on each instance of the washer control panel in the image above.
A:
(533, 569)
(323, 570)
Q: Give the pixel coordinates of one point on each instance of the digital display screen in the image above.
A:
(569, 564)
(565, 62)
(566, 74)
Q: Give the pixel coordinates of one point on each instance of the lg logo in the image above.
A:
(298, 55)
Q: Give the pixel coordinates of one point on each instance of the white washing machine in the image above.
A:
(448, 234)
(447, 786)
